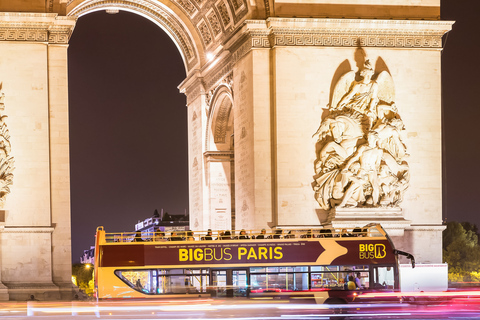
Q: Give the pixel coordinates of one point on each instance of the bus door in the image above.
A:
(383, 277)
(230, 282)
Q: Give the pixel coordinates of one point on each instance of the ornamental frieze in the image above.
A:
(46, 27)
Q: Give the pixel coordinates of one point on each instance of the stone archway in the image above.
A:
(219, 159)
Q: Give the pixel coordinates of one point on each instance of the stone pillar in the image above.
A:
(35, 241)
(254, 139)
(197, 119)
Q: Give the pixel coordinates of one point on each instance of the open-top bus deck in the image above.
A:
(286, 263)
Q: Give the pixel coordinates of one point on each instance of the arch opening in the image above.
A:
(128, 127)
(220, 166)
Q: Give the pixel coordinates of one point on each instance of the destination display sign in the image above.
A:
(321, 252)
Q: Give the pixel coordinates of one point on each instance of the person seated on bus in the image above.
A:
(159, 236)
(325, 233)
(358, 280)
(278, 234)
(227, 235)
(138, 285)
(209, 235)
(345, 233)
(262, 234)
(290, 235)
(243, 234)
(138, 237)
(365, 232)
(175, 237)
(220, 235)
(357, 232)
(190, 236)
(308, 234)
(351, 285)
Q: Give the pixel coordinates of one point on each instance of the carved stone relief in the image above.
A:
(361, 157)
(214, 23)
(222, 8)
(6, 159)
(205, 32)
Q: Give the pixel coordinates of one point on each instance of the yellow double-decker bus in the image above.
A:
(286, 263)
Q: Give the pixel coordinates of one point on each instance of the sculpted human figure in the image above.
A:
(354, 183)
(369, 155)
(363, 95)
(392, 187)
(389, 138)
(335, 152)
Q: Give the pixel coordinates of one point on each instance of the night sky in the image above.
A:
(128, 125)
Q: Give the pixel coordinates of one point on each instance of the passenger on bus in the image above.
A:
(190, 236)
(243, 234)
(209, 235)
(358, 282)
(138, 237)
(357, 232)
(290, 235)
(278, 234)
(227, 235)
(308, 234)
(220, 235)
(325, 233)
(159, 236)
(262, 234)
(174, 236)
(138, 285)
(351, 283)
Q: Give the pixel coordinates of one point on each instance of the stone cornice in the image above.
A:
(256, 34)
(416, 227)
(24, 229)
(36, 27)
(218, 156)
(209, 77)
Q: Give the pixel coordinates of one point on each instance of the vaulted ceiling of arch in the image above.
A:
(197, 26)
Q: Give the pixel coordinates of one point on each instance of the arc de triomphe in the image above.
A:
(301, 113)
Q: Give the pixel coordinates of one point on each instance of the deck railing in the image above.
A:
(371, 230)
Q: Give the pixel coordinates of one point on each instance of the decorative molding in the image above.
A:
(337, 33)
(267, 8)
(214, 23)
(187, 6)
(205, 33)
(225, 14)
(218, 156)
(422, 228)
(27, 229)
(363, 38)
(36, 27)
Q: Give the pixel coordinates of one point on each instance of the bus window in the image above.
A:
(383, 278)
(279, 279)
(153, 281)
(140, 280)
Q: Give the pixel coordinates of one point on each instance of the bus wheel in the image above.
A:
(338, 308)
